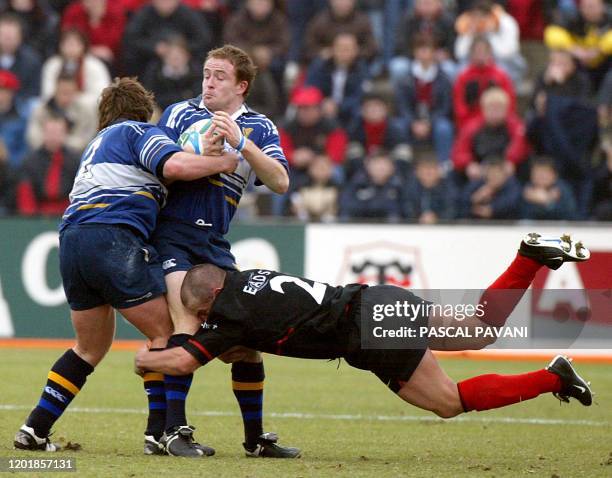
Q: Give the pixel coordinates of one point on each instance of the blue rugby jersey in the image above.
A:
(211, 202)
(117, 181)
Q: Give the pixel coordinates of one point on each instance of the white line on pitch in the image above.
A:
(323, 416)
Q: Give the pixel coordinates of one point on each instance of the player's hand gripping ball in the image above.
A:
(201, 138)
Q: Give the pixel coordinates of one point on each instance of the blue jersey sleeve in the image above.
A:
(153, 146)
(270, 145)
(170, 122)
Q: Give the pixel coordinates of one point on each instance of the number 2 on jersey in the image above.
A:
(316, 290)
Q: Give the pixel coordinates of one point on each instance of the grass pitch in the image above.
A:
(346, 422)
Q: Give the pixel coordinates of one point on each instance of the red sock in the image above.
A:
(485, 392)
(501, 297)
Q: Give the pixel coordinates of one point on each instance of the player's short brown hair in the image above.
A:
(125, 98)
(199, 285)
(243, 64)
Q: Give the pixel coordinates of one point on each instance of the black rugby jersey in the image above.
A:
(278, 314)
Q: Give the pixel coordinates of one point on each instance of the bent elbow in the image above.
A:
(282, 186)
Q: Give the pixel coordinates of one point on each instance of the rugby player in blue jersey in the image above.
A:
(193, 224)
(106, 260)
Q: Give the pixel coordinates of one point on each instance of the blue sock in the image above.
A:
(64, 381)
(176, 389)
(156, 396)
(248, 387)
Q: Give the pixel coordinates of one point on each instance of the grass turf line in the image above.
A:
(112, 443)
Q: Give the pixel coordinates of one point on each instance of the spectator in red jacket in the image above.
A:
(47, 174)
(102, 22)
(496, 133)
(310, 129)
(480, 74)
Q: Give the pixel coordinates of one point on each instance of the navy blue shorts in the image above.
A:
(108, 264)
(182, 246)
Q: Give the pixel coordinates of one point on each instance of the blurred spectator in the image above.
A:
(318, 199)
(213, 13)
(301, 159)
(299, 14)
(311, 129)
(341, 78)
(175, 76)
(7, 183)
(425, 101)
(497, 133)
(561, 77)
(565, 128)
(12, 119)
(428, 18)
(375, 192)
(342, 16)
(102, 22)
(532, 17)
(385, 17)
(73, 59)
(146, 33)
(374, 128)
(587, 35)
(602, 190)
(429, 196)
(265, 95)
(604, 99)
(484, 18)
(19, 58)
(263, 30)
(48, 173)
(66, 102)
(39, 23)
(545, 196)
(480, 74)
(496, 196)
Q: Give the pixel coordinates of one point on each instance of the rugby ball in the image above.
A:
(191, 140)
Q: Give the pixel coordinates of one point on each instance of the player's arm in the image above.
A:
(164, 158)
(175, 361)
(183, 166)
(269, 170)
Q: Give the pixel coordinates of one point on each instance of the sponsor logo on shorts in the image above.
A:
(169, 264)
(202, 222)
(54, 393)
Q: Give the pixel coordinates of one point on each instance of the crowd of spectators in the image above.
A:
(389, 110)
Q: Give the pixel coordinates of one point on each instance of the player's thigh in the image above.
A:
(184, 321)
(431, 389)
(152, 319)
(94, 329)
(471, 339)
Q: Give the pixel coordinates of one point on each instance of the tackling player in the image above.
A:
(193, 224)
(106, 261)
(290, 316)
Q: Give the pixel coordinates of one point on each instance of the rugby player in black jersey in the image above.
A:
(286, 315)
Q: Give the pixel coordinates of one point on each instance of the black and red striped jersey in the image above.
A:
(279, 314)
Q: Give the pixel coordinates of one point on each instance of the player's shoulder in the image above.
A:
(178, 111)
(255, 119)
